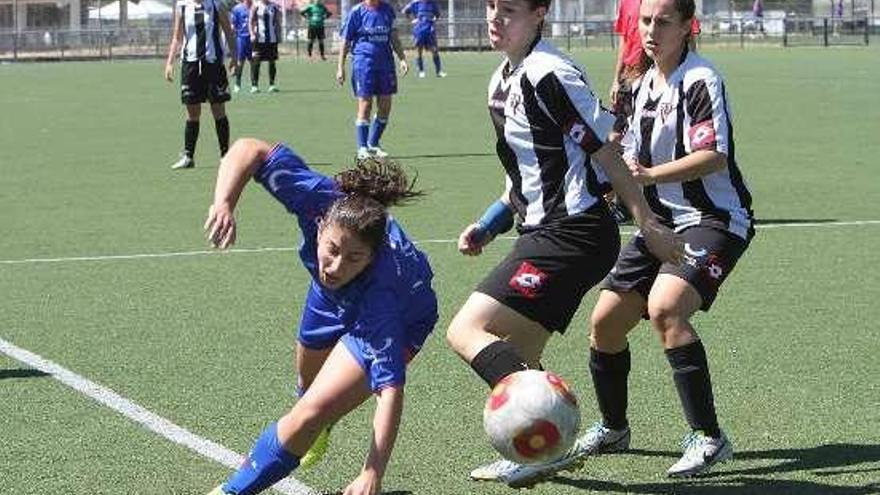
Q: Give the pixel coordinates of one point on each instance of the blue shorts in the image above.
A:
(321, 328)
(370, 81)
(243, 48)
(424, 37)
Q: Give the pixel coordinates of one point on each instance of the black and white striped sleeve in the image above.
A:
(570, 102)
(708, 127)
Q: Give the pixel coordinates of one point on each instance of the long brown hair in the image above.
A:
(370, 189)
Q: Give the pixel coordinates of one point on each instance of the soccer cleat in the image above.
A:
(217, 491)
(255, 89)
(525, 475)
(272, 89)
(421, 74)
(441, 74)
(701, 452)
(317, 450)
(185, 161)
(363, 154)
(600, 439)
(236, 89)
(377, 152)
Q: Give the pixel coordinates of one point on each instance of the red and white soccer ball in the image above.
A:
(531, 417)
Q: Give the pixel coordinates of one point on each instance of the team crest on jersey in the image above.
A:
(665, 109)
(714, 268)
(528, 280)
(515, 103)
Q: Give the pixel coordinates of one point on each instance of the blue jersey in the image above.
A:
(425, 11)
(368, 30)
(239, 20)
(383, 314)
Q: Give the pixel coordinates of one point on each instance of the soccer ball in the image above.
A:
(531, 417)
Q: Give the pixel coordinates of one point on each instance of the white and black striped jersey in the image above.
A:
(265, 17)
(202, 39)
(548, 122)
(690, 113)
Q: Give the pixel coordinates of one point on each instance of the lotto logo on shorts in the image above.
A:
(528, 280)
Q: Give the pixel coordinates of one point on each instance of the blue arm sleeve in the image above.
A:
(303, 192)
(497, 219)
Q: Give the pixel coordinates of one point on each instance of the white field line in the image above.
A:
(146, 418)
(209, 252)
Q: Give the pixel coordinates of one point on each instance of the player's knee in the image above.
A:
(664, 317)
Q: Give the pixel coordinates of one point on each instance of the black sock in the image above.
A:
(610, 373)
(272, 72)
(309, 47)
(255, 73)
(221, 125)
(690, 370)
(190, 136)
(496, 361)
(238, 69)
(321, 47)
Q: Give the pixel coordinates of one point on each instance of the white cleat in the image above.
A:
(255, 89)
(377, 152)
(600, 439)
(363, 154)
(421, 74)
(525, 475)
(183, 162)
(272, 89)
(441, 74)
(701, 452)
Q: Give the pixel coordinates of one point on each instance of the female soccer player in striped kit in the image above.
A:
(680, 147)
(370, 34)
(265, 26)
(550, 127)
(369, 308)
(196, 33)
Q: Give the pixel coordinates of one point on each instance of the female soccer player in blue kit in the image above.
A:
(370, 35)
(425, 14)
(369, 308)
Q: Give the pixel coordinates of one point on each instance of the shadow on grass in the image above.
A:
(21, 373)
(822, 461)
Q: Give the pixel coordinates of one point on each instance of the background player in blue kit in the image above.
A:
(244, 50)
(370, 35)
(369, 308)
(424, 14)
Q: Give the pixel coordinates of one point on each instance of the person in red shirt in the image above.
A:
(631, 59)
(632, 62)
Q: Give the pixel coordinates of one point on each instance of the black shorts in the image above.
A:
(710, 255)
(266, 51)
(550, 269)
(202, 81)
(316, 33)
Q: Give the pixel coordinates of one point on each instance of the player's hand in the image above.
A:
(340, 75)
(367, 483)
(473, 239)
(404, 67)
(641, 174)
(615, 89)
(663, 243)
(169, 72)
(220, 226)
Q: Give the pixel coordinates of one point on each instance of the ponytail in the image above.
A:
(370, 188)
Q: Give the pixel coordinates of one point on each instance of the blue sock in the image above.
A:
(437, 62)
(420, 62)
(376, 131)
(267, 464)
(362, 130)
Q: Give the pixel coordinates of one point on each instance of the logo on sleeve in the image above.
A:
(702, 136)
(528, 280)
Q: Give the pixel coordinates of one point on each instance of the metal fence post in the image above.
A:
(825, 31)
(742, 33)
(784, 32)
(867, 36)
